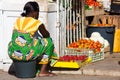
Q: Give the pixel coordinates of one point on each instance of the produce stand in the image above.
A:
(71, 34)
(78, 57)
(91, 57)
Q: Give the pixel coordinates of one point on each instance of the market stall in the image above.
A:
(81, 52)
(72, 30)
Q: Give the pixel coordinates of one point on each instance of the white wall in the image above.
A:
(1, 33)
(13, 4)
(52, 27)
(19, 4)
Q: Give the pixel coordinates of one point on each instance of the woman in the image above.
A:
(25, 45)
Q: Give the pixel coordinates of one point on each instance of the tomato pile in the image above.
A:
(86, 44)
(92, 3)
(69, 58)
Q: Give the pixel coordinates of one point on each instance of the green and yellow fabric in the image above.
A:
(23, 45)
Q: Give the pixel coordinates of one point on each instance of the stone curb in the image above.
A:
(101, 72)
(91, 72)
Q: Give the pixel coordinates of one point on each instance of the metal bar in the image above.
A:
(83, 19)
(67, 24)
(74, 36)
(58, 26)
(77, 22)
(80, 16)
(70, 22)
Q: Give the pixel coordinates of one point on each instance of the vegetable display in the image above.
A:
(89, 4)
(92, 3)
(86, 44)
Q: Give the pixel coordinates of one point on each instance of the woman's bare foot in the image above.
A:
(47, 74)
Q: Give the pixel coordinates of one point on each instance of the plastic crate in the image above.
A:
(89, 52)
(97, 56)
(62, 64)
(77, 51)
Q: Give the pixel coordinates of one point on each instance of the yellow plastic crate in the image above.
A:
(62, 64)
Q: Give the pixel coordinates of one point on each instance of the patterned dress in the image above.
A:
(23, 46)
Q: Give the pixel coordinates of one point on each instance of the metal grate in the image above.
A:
(72, 22)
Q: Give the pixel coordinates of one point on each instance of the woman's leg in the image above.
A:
(49, 51)
(45, 71)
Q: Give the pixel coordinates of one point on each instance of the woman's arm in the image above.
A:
(43, 31)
